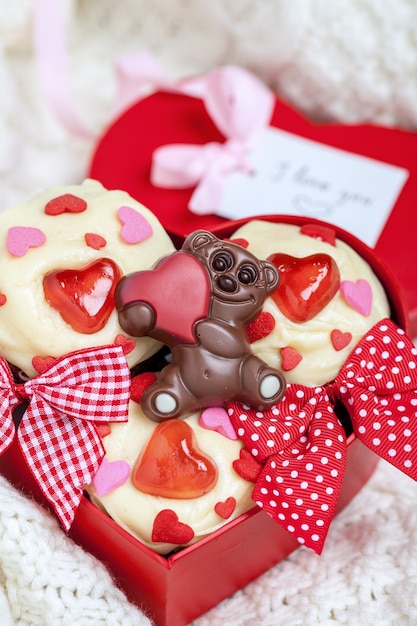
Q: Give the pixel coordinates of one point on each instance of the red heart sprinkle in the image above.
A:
(139, 385)
(290, 358)
(319, 231)
(103, 430)
(168, 528)
(41, 364)
(306, 284)
(260, 327)
(128, 345)
(172, 466)
(239, 241)
(247, 466)
(340, 340)
(83, 297)
(3, 299)
(94, 241)
(67, 203)
(226, 508)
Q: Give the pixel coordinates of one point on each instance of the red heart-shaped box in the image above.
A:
(123, 158)
(173, 590)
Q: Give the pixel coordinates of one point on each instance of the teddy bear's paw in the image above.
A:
(164, 403)
(270, 387)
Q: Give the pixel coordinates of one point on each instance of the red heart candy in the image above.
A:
(226, 508)
(128, 345)
(167, 528)
(290, 358)
(247, 466)
(239, 241)
(319, 231)
(139, 385)
(94, 241)
(103, 430)
(171, 465)
(42, 364)
(67, 203)
(260, 327)
(83, 297)
(340, 340)
(3, 299)
(306, 284)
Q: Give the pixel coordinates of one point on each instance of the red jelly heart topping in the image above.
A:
(171, 465)
(83, 297)
(306, 284)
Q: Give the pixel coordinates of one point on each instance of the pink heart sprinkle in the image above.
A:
(135, 228)
(358, 295)
(21, 238)
(110, 475)
(216, 418)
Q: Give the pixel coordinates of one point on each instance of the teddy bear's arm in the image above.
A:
(220, 338)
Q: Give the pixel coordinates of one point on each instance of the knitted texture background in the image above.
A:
(351, 60)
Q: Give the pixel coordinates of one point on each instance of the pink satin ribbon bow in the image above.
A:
(57, 433)
(241, 107)
(302, 445)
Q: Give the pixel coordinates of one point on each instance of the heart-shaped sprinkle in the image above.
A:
(42, 364)
(135, 228)
(103, 430)
(306, 284)
(260, 327)
(226, 508)
(358, 295)
(110, 475)
(127, 344)
(340, 340)
(239, 241)
(3, 299)
(290, 358)
(67, 203)
(321, 232)
(168, 529)
(95, 241)
(172, 466)
(83, 297)
(21, 238)
(139, 385)
(246, 466)
(217, 418)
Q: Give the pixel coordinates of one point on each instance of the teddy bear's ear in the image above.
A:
(198, 239)
(271, 275)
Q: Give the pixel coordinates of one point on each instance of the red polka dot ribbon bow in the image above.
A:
(301, 444)
(57, 433)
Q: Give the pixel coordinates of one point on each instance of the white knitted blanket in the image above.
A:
(347, 60)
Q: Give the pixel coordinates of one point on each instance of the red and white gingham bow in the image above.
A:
(302, 445)
(57, 433)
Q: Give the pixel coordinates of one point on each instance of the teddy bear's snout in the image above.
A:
(226, 283)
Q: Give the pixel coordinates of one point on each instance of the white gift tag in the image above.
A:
(297, 176)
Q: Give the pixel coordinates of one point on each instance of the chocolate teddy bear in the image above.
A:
(197, 301)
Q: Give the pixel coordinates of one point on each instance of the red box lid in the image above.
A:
(123, 156)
